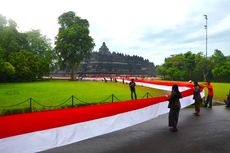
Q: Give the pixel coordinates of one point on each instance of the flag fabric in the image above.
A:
(39, 131)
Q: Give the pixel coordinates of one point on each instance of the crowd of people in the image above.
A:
(174, 100)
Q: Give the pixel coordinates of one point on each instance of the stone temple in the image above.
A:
(106, 63)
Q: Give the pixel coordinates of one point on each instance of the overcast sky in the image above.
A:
(153, 29)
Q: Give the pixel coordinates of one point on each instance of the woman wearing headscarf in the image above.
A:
(174, 105)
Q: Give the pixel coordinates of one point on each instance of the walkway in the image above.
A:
(208, 133)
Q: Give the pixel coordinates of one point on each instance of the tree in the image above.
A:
(26, 56)
(221, 70)
(218, 57)
(202, 68)
(189, 64)
(196, 67)
(10, 39)
(41, 46)
(3, 22)
(6, 71)
(1, 54)
(37, 43)
(161, 69)
(28, 66)
(175, 67)
(73, 42)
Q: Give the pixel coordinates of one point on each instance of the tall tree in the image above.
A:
(186, 66)
(196, 67)
(218, 57)
(6, 69)
(28, 66)
(73, 42)
(201, 67)
(10, 39)
(221, 70)
(40, 45)
(3, 22)
(189, 64)
(37, 43)
(24, 56)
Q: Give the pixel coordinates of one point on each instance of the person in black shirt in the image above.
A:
(132, 85)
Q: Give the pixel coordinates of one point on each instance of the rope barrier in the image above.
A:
(50, 105)
(147, 95)
(105, 100)
(15, 104)
(150, 95)
(81, 100)
(111, 98)
(116, 98)
(144, 96)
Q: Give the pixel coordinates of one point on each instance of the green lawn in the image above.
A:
(57, 91)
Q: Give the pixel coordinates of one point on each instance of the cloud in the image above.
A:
(154, 29)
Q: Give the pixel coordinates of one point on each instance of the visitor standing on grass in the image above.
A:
(197, 98)
(208, 101)
(132, 85)
(174, 105)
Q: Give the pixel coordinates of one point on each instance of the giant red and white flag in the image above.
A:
(39, 131)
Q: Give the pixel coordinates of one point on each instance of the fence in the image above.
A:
(72, 101)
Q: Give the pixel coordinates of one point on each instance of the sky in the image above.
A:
(153, 29)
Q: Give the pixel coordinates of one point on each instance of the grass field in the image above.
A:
(56, 92)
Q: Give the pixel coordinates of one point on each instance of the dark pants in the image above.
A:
(133, 92)
(227, 102)
(197, 105)
(208, 101)
(173, 117)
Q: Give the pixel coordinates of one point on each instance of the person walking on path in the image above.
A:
(132, 85)
(197, 98)
(174, 105)
(208, 101)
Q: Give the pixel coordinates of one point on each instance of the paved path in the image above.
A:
(208, 133)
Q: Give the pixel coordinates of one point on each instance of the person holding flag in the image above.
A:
(208, 101)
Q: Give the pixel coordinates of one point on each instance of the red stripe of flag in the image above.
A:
(30, 122)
